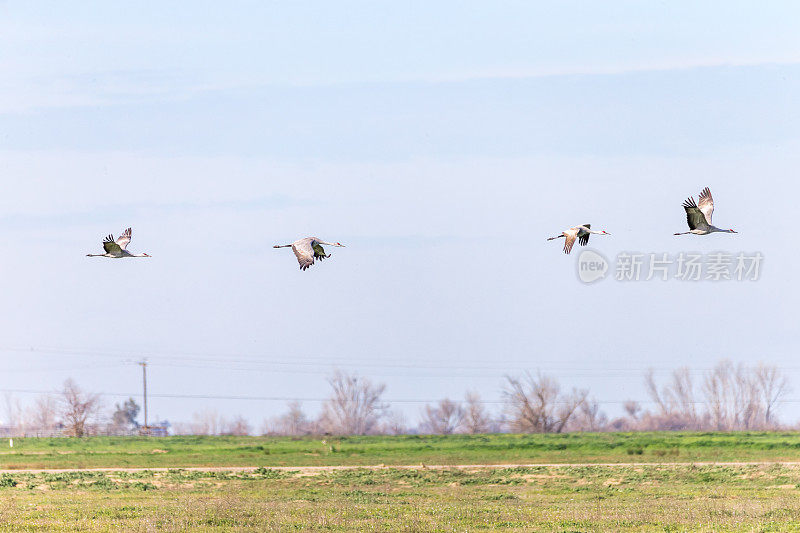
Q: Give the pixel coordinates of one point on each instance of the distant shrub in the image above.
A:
(270, 473)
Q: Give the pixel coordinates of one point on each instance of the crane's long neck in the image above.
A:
(596, 232)
(95, 255)
(282, 246)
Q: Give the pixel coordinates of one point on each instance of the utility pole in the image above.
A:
(143, 364)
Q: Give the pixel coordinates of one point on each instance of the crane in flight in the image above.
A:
(581, 233)
(308, 249)
(698, 215)
(117, 249)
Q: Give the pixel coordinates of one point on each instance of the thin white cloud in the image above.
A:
(28, 93)
(607, 70)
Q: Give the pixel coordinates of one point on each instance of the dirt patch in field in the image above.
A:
(308, 473)
(543, 476)
(24, 453)
(312, 470)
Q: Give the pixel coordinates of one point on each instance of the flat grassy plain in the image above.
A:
(546, 498)
(643, 492)
(202, 451)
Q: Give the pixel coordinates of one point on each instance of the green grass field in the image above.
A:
(624, 497)
(173, 452)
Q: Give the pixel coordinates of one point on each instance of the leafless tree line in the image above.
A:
(724, 398)
(210, 422)
(69, 412)
(727, 397)
(355, 407)
(532, 403)
(469, 416)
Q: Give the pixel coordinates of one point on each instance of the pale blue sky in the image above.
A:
(442, 143)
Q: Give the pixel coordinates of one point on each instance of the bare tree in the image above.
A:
(293, 422)
(675, 401)
(569, 404)
(749, 407)
(588, 417)
(43, 414)
(78, 408)
(206, 422)
(443, 418)
(736, 397)
(13, 413)
(652, 391)
(210, 422)
(531, 403)
(238, 426)
(394, 423)
(534, 404)
(732, 397)
(628, 422)
(772, 386)
(682, 394)
(632, 409)
(355, 406)
(476, 419)
(717, 388)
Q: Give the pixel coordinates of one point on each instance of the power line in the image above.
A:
(235, 363)
(310, 399)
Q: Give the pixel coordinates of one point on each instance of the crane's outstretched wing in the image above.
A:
(110, 246)
(304, 252)
(583, 235)
(319, 251)
(694, 217)
(124, 239)
(706, 204)
(570, 235)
